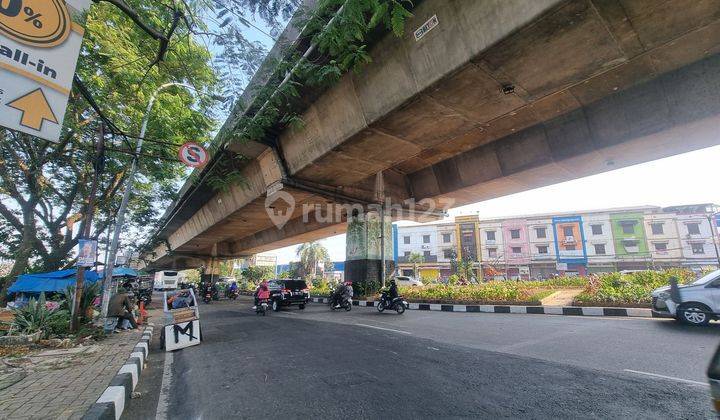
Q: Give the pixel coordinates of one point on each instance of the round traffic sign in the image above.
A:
(38, 23)
(193, 155)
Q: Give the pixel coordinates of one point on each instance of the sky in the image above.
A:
(682, 179)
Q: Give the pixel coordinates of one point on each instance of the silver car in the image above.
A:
(698, 303)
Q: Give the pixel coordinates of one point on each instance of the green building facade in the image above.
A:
(630, 239)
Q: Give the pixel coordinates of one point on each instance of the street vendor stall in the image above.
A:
(55, 281)
(182, 320)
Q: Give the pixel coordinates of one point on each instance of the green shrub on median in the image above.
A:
(628, 288)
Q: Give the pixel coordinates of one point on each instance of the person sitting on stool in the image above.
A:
(121, 307)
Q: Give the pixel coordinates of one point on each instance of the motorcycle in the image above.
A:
(208, 296)
(262, 307)
(232, 294)
(145, 296)
(344, 304)
(398, 304)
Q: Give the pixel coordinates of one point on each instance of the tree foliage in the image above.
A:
(311, 254)
(257, 273)
(44, 186)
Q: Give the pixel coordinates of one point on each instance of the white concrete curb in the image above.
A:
(116, 396)
(517, 309)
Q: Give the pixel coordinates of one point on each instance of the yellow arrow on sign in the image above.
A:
(35, 109)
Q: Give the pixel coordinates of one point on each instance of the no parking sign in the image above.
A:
(193, 155)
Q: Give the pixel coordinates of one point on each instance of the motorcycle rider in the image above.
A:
(337, 294)
(233, 288)
(261, 293)
(393, 290)
(346, 293)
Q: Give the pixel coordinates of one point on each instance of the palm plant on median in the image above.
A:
(416, 258)
(312, 253)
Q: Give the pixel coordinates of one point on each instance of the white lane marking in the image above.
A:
(672, 378)
(164, 398)
(384, 329)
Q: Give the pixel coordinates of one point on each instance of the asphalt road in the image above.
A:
(322, 364)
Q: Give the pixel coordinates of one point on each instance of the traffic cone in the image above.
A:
(143, 314)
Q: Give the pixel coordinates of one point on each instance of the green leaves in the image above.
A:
(35, 317)
(398, 16)
(341, 37)
(380, 11)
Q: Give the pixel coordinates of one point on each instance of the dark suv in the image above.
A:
(288, 292)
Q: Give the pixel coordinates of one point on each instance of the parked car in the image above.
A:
(406, 281)
(287, 293)
(699, 301)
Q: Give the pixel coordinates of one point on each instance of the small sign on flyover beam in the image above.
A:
(39, 45)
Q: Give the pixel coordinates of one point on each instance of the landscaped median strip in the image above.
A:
(112, 402)
(517, 309)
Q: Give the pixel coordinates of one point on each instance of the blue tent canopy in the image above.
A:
(121, 272)
(56, 281)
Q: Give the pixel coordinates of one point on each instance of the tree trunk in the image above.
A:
(22, 255)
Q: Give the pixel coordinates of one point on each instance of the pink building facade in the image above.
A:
(517, 248)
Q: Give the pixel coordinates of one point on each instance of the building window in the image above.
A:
(660, 246)
(490, 235)
(426, 255)
(516, 250)
(446, 238)
(599, 248)
(543, 249)
(406, 254)
(426, 239)
(515, 233)
(631, 247)
(693, 228)
(628, 226)
(596, 229)
(656, 228)
(569, 247)
(567, 230)
(492, 252)
(406, 240)
(448, 254)
(540, 232)
(698, 248)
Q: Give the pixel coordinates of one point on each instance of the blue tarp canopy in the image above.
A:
(56, 281)
(121, 272)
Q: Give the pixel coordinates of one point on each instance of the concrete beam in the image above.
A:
(674, 113)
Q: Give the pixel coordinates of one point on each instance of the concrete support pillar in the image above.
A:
(362, 253)
(212, 270)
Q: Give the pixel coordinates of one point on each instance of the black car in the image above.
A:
(288, 292)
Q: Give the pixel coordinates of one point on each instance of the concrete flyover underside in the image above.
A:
(502, 96)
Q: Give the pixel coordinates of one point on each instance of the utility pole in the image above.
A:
(90, 209)
(120, 218)
(713, 233)
(380, 189)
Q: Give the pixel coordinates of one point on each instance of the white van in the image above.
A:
(166, 280)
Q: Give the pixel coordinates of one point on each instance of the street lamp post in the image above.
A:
(713, 233)
(120, 220)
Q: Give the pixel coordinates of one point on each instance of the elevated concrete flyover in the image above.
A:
(501, 96)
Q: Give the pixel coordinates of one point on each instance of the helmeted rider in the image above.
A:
(337, 294)
(346, 293)
(261, 293)
(233, 287)
(392, 290)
